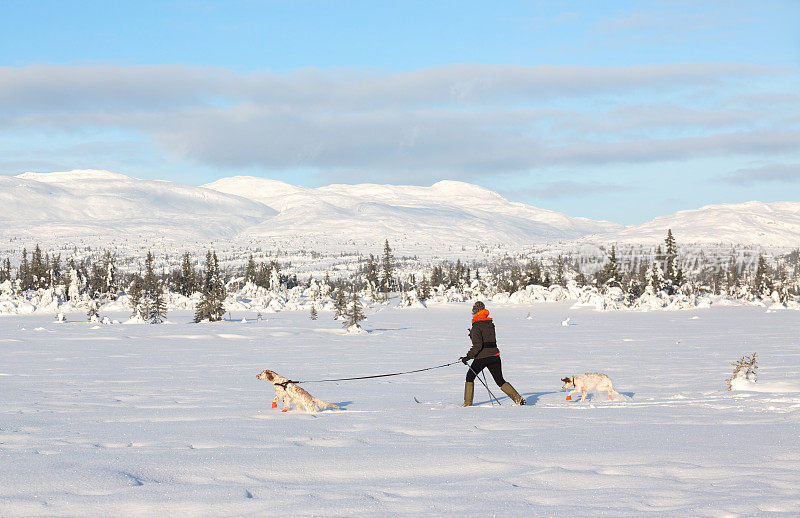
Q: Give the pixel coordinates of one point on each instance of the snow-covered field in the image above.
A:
(121, 420)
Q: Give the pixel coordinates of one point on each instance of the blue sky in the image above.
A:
(609, 110)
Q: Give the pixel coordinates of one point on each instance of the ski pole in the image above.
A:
(483, 373)
(485, 385)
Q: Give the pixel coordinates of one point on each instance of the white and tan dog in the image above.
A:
(591, 381)
(290, 393)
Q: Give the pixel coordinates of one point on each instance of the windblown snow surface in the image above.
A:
(127, 420)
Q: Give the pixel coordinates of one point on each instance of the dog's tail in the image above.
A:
(322, 404)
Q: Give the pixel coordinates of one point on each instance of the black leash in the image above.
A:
(368, 377)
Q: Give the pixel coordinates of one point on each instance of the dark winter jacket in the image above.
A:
(484, 343)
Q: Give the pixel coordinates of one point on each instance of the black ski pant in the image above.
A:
(493, 364)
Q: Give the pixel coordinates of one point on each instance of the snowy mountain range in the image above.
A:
(98, 205)
(90, 206)
(446, 213)
(756, 223)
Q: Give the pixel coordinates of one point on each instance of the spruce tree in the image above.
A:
(93, 313)
(262, 276)
(5, 270)
(457, 273)
(150, 281)
(187, 280)
(559, 277)
(274, 276)
(96, 279)
(424, 291)
(762, 283)
(371, 274)
(24, 272)
(48, 278)
(782, 286)
(313, 314)
(155, 305)
(437, 276)
(55, 270)
(250, 270)
(135, 292)
(110, 274)
(533, 273)
(354, 313)
(732, 277)
(218, 291)
(211, 305)
(38, 273)
(641, 276)
(158, 306)
(673, 277)
(339, 304)
(610, 275)
(514, 280)
(655, 277)
(387, 267)
(74, 289)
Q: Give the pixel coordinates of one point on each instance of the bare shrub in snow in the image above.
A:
(744, 370)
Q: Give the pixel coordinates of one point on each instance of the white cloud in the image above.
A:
(463, 120)
(768, 173)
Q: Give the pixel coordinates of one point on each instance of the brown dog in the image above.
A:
(290, 393)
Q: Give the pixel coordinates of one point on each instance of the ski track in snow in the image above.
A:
(148, 420)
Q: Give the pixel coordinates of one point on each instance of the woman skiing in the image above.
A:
(486, 355)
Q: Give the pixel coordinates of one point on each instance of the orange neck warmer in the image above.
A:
(481, 315)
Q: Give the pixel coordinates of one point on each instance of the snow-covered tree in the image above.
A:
(274, 277)
(313, 313)
(339, 304)
(135, 292)
(655, 277)
(187, 278)
(158, 306)
(732, 275)
(354, 312)
(387, 269)
(110, 273)
(673, 276)
(610, 276)
(211, 305)
(250, 270)
(55, 270)
(93, 312)
(437, 276)
(424, 290)
(371, 274)
(154, 306)
(5, 271)
(782, 286)
(531, 275)
(74, 290)
(762, 282)
(560, 278)
(38, 272)
(24, 272)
